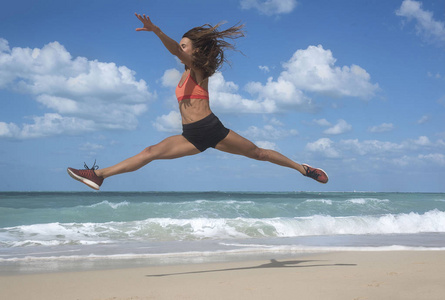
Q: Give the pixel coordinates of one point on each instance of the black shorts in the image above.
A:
(205, 133)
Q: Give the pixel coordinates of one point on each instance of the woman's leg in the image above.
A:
(172, 147)
(236, 144)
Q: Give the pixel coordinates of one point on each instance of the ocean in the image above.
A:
(60, 231)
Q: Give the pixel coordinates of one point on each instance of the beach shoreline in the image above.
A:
(333, 275)
(124, 255)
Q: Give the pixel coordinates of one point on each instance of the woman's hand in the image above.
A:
(172, 46)
(148, 25)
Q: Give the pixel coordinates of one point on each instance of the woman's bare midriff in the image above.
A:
(193, 110)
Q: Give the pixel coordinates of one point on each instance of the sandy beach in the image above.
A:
(341, 275)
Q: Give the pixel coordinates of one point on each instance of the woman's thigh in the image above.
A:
(172, 147)
(236, 144)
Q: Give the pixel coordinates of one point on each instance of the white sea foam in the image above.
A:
(366, 200)
(168, 229)
(111, 204)
(324, 201)
(206, 255)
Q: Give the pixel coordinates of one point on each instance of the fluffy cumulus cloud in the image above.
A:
(324, 147)
(265, 69)
(426, 25)
(313, 69)
(422, 141)
(341, 127)
(169, 123)
(267, 145)
(280, 94)
(79, 95)
(321, 122)
(270, 7)
(171, 78)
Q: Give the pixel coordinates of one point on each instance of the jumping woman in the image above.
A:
(201, 50)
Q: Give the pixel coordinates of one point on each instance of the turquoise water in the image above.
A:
(38, 226)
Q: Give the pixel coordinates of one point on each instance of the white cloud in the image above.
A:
(171, 78)
(270, 7)
(281, 94)
(267, 145)
(81, 95)
(324, 147)
(422, 141)
(341, 127)
(46, 125)
(265, 69)
(426, 25)
(169, 123)
(384, 127)
(276, 122)
(321, 122)
(402, 161)
(313, 69)
(8, 130)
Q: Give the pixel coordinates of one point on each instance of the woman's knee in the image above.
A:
(169, 148)
(261, 154)
(149, 153)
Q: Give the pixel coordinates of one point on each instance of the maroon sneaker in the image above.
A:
(316, 174)
(87, 176)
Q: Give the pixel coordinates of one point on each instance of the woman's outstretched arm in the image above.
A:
(168, 42)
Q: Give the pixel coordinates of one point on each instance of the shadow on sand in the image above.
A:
(273, 264)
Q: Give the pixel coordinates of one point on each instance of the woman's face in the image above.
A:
(186, 45)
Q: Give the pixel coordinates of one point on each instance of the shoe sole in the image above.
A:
(327, 177)
(83, 180)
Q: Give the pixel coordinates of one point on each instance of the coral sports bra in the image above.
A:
(190, 90)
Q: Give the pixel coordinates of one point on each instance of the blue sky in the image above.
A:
(354, 87)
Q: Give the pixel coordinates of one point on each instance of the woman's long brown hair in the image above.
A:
(209, 46)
